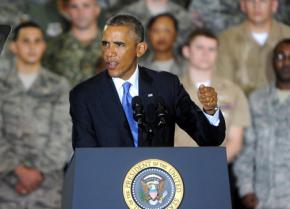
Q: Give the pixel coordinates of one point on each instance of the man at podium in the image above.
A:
(105, 109)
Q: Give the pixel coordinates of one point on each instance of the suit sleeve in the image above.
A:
(192, 120)
(83, 133)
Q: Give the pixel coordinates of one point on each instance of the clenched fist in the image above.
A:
(250, 200)
(208, 98)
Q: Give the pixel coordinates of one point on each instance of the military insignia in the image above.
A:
(153, 184)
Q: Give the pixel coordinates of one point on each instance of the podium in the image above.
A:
(116, 178)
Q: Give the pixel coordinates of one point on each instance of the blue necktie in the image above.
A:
(126, 103)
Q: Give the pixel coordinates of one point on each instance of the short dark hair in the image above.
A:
(280, 43)
(28, 24)
(128, 20)
(169, 15)
(200, 32)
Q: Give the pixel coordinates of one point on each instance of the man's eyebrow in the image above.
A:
(119, 42)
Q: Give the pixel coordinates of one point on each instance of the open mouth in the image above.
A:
(111, 64)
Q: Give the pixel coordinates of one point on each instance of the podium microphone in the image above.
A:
(138, 111)
(161, 112)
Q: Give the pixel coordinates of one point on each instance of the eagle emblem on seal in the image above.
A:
(153, 189)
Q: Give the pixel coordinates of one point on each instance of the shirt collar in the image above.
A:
(134, 80)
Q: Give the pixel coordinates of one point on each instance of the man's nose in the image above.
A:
(110, 51)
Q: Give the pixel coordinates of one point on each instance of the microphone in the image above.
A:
(138, 111)
(161, 112)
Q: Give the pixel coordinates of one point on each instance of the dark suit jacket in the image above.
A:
(99, 121)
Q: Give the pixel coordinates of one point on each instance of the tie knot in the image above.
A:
(126, 87)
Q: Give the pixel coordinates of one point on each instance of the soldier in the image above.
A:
(34, 127)
(217, 14)
(11, 13)
(44, 12)
(263, 166)
(246, 48)
(76, 54)
(201, 53)
(145, 9)
(162, 30)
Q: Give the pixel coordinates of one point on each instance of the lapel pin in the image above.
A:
(150, 95)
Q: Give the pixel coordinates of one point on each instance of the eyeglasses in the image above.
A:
(282, 57)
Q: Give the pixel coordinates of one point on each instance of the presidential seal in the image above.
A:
(153, 184)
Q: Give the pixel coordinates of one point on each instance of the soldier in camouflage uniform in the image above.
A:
(11, 13)
(35, 127)
(76, 55)
(46, 14)
(217, 15)
(145, 9)
(263, 166)
(43, 12)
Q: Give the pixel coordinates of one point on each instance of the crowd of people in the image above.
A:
(239, 47)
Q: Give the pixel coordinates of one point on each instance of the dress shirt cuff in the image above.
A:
(213, 119)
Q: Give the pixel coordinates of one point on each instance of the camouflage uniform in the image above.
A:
(140, 10)
(35, 132)
(263, 165)
(175, 68)
(68, 57)
(11, 12)
(217, 15)
(6, 59)
(46, 14)
(43, 12)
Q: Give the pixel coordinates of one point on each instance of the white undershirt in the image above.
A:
(27, 79)
(260, 38)
(134, 80)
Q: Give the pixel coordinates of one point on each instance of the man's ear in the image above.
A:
(141, 49)
(185, 51)
(44, 47)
